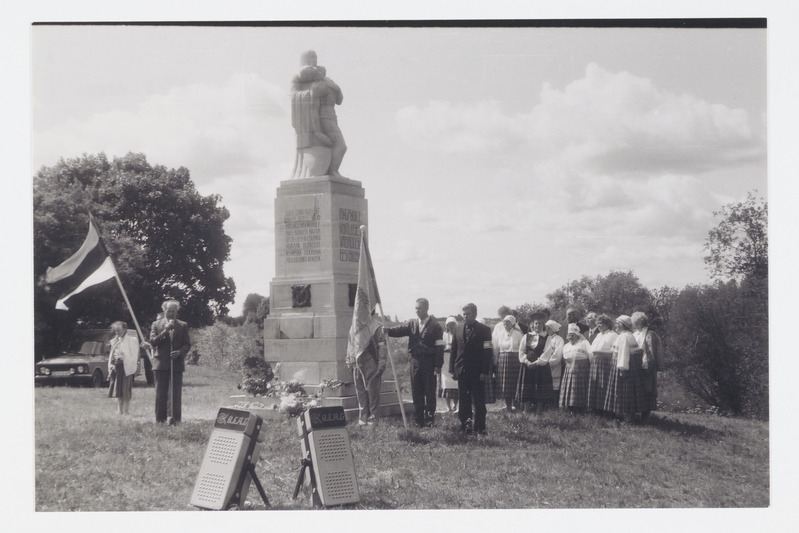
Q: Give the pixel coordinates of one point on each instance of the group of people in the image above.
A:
(167, 345)
(597, 365)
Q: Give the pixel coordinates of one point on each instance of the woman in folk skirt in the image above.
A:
(650, 343)
(531, 346)
(624, 396)
(505, 343)
(448, 387)
(547, 368)
(122, 360)
(601, 354)
(574, 387)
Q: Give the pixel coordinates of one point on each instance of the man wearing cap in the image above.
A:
(470, 365)
(426, 348)
(170, 339)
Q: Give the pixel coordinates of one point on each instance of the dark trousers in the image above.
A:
(423, 389)
(367, 389)
(470, 389)
(148, 370)
(162, 395)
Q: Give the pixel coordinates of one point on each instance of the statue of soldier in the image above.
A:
(313, 116)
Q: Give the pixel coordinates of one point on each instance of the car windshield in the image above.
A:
(91, 348)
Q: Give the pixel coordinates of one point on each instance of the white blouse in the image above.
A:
(553, 350)
(603, 342)
(127, 349)
(577, 351)
(623, 345)
(507, 341)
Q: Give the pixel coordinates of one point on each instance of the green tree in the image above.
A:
(262, 311)
(720, 345)
(576, 293)
(617, 293)
(723, 351)
(738, 246)
(251, 303)
(166, 240)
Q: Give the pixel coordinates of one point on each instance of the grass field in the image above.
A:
(87, 458)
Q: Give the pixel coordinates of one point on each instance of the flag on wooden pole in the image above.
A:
(89, 266)
(364, 321)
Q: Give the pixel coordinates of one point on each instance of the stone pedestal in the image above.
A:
(317, 247)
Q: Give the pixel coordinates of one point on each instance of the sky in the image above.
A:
(498, 163)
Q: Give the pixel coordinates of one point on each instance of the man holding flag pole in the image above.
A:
(366, 346)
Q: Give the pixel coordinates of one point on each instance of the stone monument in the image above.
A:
(318, 214)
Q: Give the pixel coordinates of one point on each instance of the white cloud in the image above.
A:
(618, 122)
(459, 128)
(604, 122)
(215, 130)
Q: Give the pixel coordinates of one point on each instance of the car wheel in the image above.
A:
(97, 379)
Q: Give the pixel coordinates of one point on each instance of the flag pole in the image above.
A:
(121, 288)
(383, 318)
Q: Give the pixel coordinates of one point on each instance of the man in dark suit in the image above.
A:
(470, 364)
(170, 339)
(426, 348)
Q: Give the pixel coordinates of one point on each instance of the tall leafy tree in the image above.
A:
(166, 239)
(251, 303)
(724, 328)
(738, 246)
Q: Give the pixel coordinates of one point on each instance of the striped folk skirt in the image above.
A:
(508, 370)
(574, 387)
(543, 391)
(598, 380)
(525, 388)
(625, 395)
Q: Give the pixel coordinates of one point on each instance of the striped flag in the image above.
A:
(89, 266)
(364, 322)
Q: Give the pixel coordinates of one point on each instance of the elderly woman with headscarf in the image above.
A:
(650, 343)
(448, 387)
(505, 343)
(547, 368)
(601, 354)
(624, 396)
(574, 386)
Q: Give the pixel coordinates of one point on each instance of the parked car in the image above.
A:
(86, 364)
